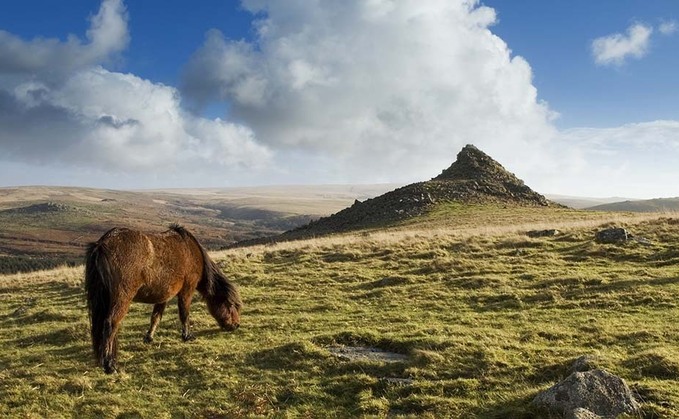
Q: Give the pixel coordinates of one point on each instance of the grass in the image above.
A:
(486, 316)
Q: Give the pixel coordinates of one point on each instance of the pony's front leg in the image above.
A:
(155, 319)
(184, 301)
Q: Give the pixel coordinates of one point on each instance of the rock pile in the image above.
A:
(473, 178)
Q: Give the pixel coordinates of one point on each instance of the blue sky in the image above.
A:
(555, 38)
(576, 98)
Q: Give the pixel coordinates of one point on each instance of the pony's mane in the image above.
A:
(213, 280)
(179, 229)
(222, 286)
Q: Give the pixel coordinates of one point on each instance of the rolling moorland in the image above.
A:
(646, 205)
(44, 227)
(463, 313)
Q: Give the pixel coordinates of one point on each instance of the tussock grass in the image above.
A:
(486, 316)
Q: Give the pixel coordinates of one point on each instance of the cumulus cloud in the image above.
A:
(107, 36)
(378, 90)
(118, 122)
(59, 105)
(353, 91)
(615, 49)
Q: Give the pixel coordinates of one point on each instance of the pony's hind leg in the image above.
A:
(111, 327)
(155, 319)
(184, 301)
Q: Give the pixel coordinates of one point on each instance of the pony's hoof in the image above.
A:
(148, 339)
(110, 368)
(189, 337)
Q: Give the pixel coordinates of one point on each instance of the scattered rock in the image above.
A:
(643, 240)
(584, 394)
(585, 363)
(613, 235)
(365, 353)
(398, 381)
(543, 233)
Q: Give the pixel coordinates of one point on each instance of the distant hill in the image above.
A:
(647, 205)
(583, 202)
(45, 226)
(473, 178)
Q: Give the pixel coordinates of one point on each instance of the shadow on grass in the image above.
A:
(61, 337)
(292, 356)
(519, 408)
(577, 293)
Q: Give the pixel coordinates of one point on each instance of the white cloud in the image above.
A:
(636, 160)
(377, 90)
(615, 49)
(354, 91)
(668, 28)
(49, 58)
(59, 106)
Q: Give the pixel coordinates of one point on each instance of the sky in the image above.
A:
(576, 98)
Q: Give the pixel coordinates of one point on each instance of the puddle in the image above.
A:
(365, 353)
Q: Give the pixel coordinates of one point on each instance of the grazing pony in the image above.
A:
(127, 265)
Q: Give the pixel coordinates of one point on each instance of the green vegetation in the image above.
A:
(486, 316)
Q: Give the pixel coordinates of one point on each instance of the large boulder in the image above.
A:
(597, 392)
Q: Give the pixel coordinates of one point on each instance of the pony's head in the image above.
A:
(224, 303)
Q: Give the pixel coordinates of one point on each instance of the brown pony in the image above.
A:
(126, 265)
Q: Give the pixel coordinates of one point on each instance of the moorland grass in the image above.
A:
(486, 316)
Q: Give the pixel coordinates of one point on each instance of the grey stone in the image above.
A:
(365, 353)
(584, 363)
(597, 391)
(613, 235)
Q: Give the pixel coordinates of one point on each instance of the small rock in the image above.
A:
(398, 381)
(584, 363)
(613, 235)
(643, 240)
(597, 391)
(543, 233)
(365, 353)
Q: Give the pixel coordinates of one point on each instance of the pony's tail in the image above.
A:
(97, 286)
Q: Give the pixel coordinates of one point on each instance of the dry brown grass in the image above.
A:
(571, 220)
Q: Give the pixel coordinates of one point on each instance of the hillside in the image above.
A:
(47, 226)
(474, 178)
(464, 319)
(583, 202)
(646, 205)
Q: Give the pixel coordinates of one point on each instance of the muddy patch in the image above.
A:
(365, 353)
